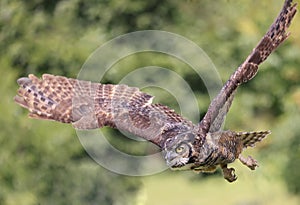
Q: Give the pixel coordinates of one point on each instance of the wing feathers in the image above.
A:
(90, 105)
(276, 34)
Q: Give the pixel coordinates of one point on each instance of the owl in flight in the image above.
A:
(200, 147)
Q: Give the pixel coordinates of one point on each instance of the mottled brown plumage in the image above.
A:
(200, 147)
(90, 105)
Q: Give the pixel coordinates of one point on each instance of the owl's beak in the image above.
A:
(174, 161)
(170, 158)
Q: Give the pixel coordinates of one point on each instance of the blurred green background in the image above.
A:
(43, 162)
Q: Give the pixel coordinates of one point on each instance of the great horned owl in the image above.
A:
(199, 147)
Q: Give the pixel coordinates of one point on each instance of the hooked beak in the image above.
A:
(173, 161)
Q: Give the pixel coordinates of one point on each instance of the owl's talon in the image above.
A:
(229, 173)
(249, 162)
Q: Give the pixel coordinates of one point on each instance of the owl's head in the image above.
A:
(178, 150)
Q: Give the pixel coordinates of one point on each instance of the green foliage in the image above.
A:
(291, 171)
(44, 163)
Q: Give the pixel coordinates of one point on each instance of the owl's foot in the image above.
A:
(249, 162)
(229, 173)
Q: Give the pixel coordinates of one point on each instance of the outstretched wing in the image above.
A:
(90, 105)
(276, 34)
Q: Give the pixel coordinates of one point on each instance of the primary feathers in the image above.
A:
(199, 147)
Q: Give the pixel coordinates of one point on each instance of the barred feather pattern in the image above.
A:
(249, 139)
(276, 34)
(90, 105)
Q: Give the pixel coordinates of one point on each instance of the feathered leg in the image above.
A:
(249, 162)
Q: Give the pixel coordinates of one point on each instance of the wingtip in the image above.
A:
(23, 80)
(266, 133)
(21, 101)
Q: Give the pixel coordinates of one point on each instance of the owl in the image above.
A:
(200, 147)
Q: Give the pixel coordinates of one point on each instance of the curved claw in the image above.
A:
(229, 173)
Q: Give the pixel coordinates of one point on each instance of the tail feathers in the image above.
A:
(249, 139)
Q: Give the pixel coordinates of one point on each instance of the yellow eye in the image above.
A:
(179, 149)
